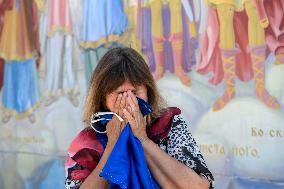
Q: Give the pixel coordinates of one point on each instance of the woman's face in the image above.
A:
(139, 91)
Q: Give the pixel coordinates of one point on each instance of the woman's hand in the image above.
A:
(114, 126)
(134, 116)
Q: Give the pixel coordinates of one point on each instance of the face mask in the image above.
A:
(99, 120)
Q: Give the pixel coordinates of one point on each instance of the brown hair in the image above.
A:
(117, 66)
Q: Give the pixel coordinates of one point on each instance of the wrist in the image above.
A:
(144, 139)
(110, 144)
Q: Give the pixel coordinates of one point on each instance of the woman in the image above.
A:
(171, 153)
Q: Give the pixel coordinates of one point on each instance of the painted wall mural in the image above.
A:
(220, 61)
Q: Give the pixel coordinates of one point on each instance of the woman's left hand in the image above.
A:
(134, 117)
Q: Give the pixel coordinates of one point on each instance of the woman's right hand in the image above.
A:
(114, 126)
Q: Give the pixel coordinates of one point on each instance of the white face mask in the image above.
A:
(99, 117)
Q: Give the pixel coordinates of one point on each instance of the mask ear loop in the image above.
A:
(98, 114)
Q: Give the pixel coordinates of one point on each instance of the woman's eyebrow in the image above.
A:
(125, 90)
(118, 91)
(122, 90)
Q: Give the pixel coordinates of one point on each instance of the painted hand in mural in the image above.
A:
(274, 33)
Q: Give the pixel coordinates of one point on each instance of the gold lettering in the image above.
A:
(256, 132)
(244, 151)
(212, 149)
(279, 133)
(276, 133)
(271, 133)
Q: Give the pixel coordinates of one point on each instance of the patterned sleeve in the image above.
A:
(72, 184)
(78, 168)
(181, 145)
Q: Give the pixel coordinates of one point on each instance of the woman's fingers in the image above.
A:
(134, 109)
(113, 130)
(136, 125)
(123, 124)
(117, 103)
(123, 100)
(129, 117)
(122, 104)
(132, 97)
(132, 101)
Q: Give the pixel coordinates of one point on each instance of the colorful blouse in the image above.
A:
(178, 143)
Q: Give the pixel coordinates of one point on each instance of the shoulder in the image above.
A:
(161, 126)
(86, 139)
(180, 131)
(180, 121)
(83, 155)
(180, 124)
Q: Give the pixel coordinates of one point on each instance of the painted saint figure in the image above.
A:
(58, 39)
(20, 93)
(168, 37)
(104, 24)
(236, 47)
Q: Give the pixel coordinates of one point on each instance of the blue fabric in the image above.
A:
(102, 138)
(93, 20)
(17, 5)
(116, 19)
(20, 87)
(126, 166)
(102, 19)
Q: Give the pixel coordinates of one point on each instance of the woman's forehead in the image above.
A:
(127, 86)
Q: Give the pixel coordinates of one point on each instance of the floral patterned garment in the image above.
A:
(180, 145)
